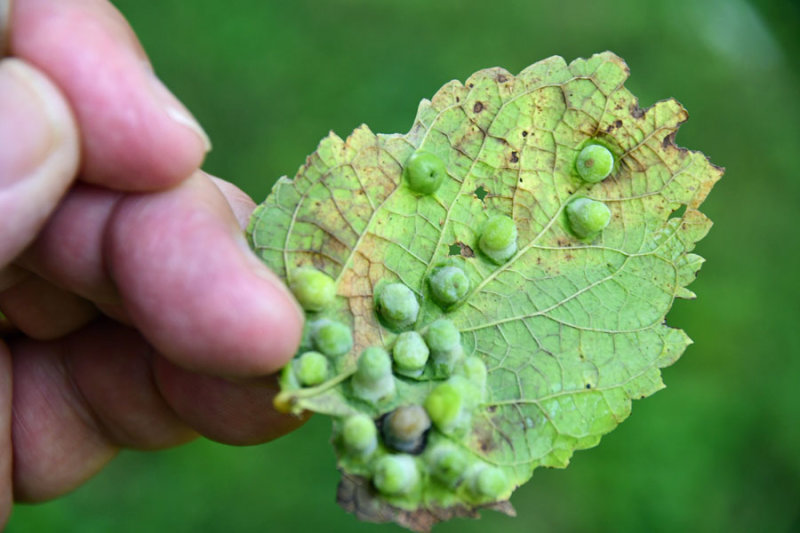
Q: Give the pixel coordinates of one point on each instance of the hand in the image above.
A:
(140, 318)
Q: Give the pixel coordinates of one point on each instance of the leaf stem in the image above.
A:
(286, 400)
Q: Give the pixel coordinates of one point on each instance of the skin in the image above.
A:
(112, 343)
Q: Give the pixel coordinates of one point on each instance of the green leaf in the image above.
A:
(570, 330)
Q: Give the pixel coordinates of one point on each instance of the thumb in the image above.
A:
(39, 153)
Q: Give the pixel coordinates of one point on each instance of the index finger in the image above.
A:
(135, 134)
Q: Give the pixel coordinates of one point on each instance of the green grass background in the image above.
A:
(716, 451)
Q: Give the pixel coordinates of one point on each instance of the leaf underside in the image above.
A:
(570, 331)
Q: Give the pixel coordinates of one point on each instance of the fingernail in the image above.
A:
(177, 111)
(28, 129)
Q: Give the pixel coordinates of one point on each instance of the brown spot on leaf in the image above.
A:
(636, 111)
(464, 250)
(478, 107)
(502, 78)
(669, 140)
(524, 133)
(356, 495)
(514, 157)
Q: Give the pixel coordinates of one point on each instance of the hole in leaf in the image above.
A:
(678, 213)
(459, 248)
(481, 192)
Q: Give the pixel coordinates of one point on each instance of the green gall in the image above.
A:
(498, 240)
(474, 369)
(447, 464)
(410, 354)
(359, 435)
(444, 406)
(587, 217)
(373, 380)
(311, 368)
(424, 172)
(306, 341)
(313, 289)
(442, 336)
(331, 338)
(397, 305)
(449, 285)
(288, 378)
(395, 475)
(374, 363)
(444, 342)
(487, 482)
(594, 163)
(405, 428)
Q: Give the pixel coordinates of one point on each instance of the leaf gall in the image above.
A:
(410, 354)
(373, 381)
(331, 338)
(396, 474)
(359, 435)
(424, 172)
(397, 305)
(594, 163)
(449, 285)
(587, 217)
(311, 368)
(314, 289)
(498, 240)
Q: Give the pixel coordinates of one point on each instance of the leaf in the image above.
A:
(570, 330)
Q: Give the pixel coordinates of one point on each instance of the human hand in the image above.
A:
(140, 318)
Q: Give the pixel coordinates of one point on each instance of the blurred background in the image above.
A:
(718, 450)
